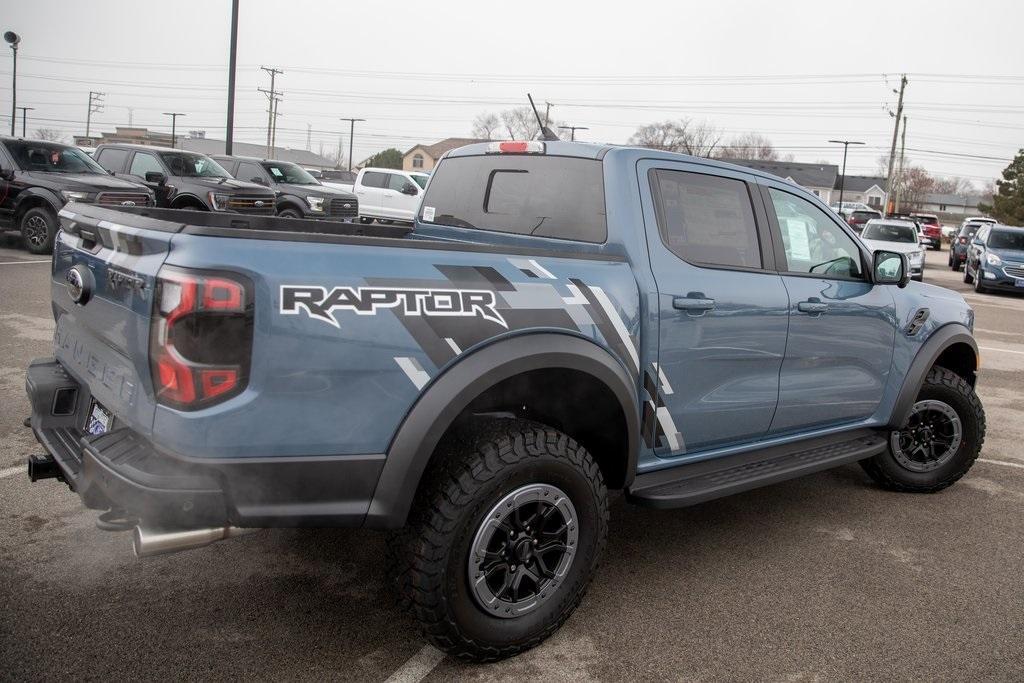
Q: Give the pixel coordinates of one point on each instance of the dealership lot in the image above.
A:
(826, 577)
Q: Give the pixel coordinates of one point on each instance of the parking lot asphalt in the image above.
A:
(823, 578)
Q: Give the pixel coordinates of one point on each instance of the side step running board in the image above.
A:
(710, 479)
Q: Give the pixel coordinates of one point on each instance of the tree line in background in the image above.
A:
(702, 139)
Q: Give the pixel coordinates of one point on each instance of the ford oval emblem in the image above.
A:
(78, 279)
(128, 203)
(347, 206)
(258, 202)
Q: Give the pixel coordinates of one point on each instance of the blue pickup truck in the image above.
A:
(562, 319)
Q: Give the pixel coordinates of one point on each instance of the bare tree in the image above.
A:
(913, 184)
(698, 139)
(952, 185)
(487, 126)
(749, 146)
(49, 134)
(519, 123)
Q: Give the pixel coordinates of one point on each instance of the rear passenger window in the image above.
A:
(705, 219)
(374, 179)
(112, 159)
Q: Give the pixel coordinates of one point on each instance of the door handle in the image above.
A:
(692, 305)
(812, 306)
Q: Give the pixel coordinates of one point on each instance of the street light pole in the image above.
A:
(572, 131)
(23, 111)
(351, 133)
(842, 179)
(13, 39)
(174, 120)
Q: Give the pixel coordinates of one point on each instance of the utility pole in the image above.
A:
(547, 113)
(895, 134)
(131, 115)
(174, 120)
(23, 110)
(899, 183)
(351, 134)
(842, 179)
(13, 39)
(95, 107)
(229, 137)
(273, 130)
(271, 106)
(572, 131)
(340, 158)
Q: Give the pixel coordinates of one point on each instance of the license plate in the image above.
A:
(100, 419)
(1019, 283)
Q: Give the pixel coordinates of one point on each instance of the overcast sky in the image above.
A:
(801, 73)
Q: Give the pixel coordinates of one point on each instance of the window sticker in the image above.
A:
(276, 171)
(428, 214)
(799, 245)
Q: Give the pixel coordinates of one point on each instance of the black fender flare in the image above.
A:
(939, 341)
(290, 201)
(53, 200)
(449, 394)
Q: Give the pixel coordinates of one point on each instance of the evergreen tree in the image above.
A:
(1008, 201)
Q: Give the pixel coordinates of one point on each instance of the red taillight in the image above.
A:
(200, 337)
(963, 240)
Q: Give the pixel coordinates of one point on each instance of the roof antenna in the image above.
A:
(545, 132)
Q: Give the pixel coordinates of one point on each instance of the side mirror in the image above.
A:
(7, 173)
(410, 190)
(258, 181)
(890, 268)
(155, 177)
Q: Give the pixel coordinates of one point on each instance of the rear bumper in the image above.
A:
(121, 469)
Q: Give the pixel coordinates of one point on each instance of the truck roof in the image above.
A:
(590, 150)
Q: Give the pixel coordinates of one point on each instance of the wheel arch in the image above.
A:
(503, 372)
(34, 198)
(952, 347)
(188, 199)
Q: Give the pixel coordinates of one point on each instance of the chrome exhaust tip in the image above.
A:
(149, 542)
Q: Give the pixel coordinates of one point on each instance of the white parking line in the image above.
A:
(418, 666)
(11, 471)
(13, 263)
(1019, 465)
(992, 348)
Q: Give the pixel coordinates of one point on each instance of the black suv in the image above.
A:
(37, 178)
(185, 180)
(299, 194)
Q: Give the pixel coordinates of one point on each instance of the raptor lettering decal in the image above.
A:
(321, 303)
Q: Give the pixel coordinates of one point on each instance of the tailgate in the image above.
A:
(102, 338)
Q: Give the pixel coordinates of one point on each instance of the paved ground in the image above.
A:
(825, 578)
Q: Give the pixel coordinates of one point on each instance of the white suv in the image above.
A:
(388, 194)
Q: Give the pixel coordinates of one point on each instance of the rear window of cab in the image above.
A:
(523, 194)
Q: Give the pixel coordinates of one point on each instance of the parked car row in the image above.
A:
(899, 236)
(38, 178)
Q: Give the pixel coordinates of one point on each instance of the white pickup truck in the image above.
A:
(388, 194)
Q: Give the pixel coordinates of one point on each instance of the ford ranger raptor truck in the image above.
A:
(562, 319)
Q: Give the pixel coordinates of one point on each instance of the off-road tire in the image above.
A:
(38, 228)
(482, 465)
(289, 213)
(946, 386)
